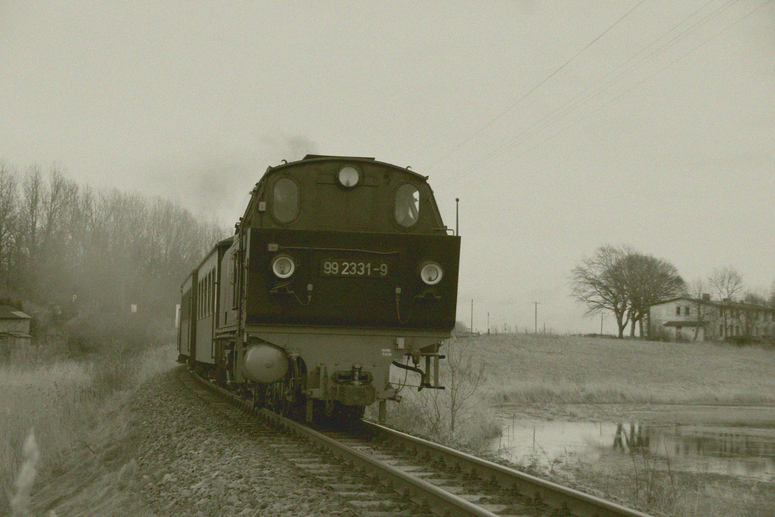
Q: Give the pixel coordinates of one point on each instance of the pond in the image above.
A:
(746, 451)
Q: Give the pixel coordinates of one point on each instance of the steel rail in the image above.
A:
(412, 487)
(435, 498)
(552, 494)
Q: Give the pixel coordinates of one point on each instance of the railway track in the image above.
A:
(383, 472)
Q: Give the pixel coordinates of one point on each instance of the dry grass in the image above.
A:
(657, 489)
(564, 369)
(54, 400)
(61, 401)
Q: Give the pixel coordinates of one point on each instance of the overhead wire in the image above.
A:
(586, 96)
(563, 111)
(536, 87)
(645, 80)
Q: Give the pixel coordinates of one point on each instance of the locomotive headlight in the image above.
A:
(348, 176)
(431, 273)
(283, 266)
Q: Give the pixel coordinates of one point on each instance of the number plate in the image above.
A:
(356, 268)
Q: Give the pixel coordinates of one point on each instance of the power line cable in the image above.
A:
(502, 113)
(644, 80)
(567, 108)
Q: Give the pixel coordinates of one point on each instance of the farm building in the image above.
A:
(14, 328)
(702, 319)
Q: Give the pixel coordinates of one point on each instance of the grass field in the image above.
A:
(524, 368)
(544, 375)
(61, 400)
(550, 372)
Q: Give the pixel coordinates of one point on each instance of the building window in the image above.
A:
(677, 310)
(687, 310)
(721, 330)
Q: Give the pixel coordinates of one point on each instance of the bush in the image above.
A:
(124, 334)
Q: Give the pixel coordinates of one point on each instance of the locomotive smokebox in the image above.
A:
(265, 363)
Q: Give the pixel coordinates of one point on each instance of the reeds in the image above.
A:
(20, 502)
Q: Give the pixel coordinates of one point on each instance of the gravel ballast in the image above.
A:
(168, 451)
(200, 457)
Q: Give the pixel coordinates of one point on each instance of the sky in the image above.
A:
(560, 126)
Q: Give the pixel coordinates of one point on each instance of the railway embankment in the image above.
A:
(158, 450)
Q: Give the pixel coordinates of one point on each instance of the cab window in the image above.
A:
(285, 205)
(407, 205)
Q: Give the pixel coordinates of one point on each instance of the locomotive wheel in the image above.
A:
(328, 409)
(333, 412)
(273, 396)
(284, 405)
(259, 397)
(350, 413)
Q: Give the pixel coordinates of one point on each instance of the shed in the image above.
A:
(14, 328)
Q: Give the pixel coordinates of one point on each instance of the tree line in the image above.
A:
(626, 282)
(75, 250)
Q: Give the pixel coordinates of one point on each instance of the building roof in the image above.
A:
(9, 313)
(715, 303)
(685, 323)
(15, 334)
(688, 299)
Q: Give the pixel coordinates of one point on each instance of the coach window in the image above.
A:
(407, 205)
(285, 204)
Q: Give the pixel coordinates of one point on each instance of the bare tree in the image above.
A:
(60, 242)
(649, 280)
(625, 282)
(703, 310)
(462, 376)
(8, 208)
(27, 231)
(727, 282)
(55, 246)
(750, 315)
(600, 284)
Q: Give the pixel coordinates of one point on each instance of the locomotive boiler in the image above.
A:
(340, 268)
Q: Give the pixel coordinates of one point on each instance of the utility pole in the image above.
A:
(488, 323)
(472, 316)
(457, 216)
(536, 318)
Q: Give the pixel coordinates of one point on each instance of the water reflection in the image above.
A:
(740, 451)
(633, 441)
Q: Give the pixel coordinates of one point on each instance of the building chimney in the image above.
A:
(706, 296)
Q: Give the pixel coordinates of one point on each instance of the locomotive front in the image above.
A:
(339, 268)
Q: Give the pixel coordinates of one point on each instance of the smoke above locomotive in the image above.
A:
(339, 268)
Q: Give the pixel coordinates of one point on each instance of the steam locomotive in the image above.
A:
(339, 268)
